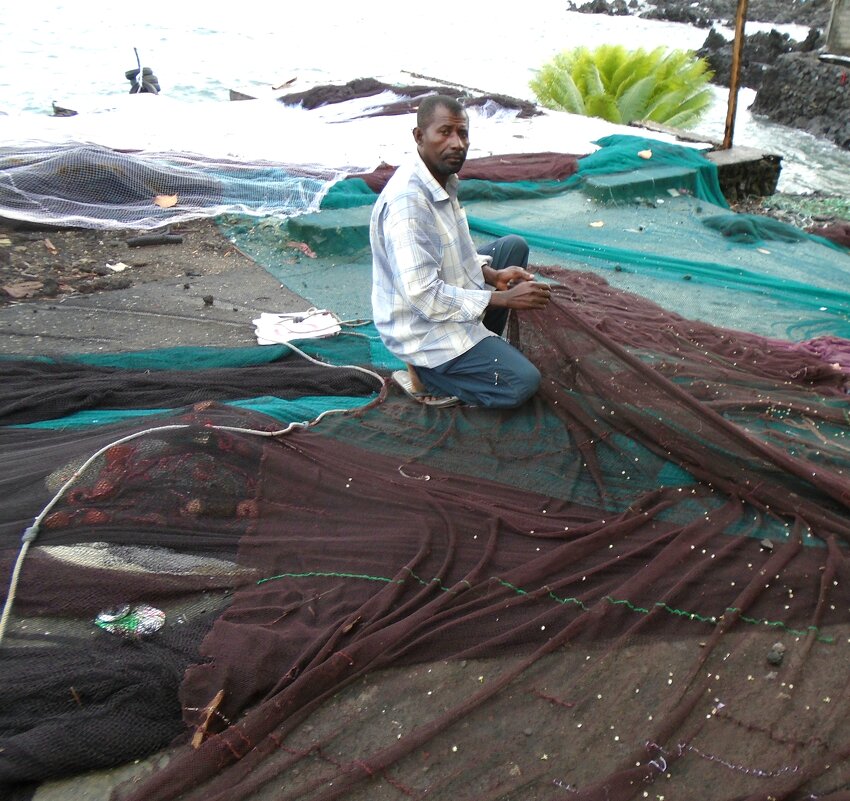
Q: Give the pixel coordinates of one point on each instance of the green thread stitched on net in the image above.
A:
(692, 616)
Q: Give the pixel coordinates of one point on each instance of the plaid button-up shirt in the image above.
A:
(428, 290)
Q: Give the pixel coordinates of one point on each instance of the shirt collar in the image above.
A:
(432, 184)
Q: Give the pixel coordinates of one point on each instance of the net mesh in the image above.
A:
(673, 241)
(635, 586)
(576, 598)
(95, 187)
(45, 390)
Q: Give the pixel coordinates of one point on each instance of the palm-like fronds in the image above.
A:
(622, 86)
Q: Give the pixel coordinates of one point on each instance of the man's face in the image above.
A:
(443, 143)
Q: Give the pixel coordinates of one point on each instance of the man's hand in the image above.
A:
(506, 278)
(524, 295)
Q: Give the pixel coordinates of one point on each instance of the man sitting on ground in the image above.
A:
(439, 305)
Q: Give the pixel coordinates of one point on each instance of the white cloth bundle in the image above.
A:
(278, 329)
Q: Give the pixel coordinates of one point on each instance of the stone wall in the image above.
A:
(745, 172)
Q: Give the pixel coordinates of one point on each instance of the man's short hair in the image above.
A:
(428, 107)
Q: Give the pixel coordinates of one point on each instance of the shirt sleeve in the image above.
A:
(414, 249)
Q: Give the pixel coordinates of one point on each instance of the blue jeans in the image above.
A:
(493, 373)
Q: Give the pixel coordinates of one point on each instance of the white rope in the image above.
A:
(368, 372)
(13, 586)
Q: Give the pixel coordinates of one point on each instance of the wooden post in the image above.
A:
(737, 48)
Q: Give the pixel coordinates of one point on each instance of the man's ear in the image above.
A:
(417, 135)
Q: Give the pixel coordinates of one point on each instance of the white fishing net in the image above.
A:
(94, 187)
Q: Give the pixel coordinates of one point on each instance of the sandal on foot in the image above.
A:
(402, 379)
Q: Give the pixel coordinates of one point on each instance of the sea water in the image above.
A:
(76, 54)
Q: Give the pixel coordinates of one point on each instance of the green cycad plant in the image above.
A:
(619, 85)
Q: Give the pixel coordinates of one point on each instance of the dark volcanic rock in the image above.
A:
(680, 12)
(410, 94)
(812, 13)
(759, 52)
(614, 8)
(801, 91)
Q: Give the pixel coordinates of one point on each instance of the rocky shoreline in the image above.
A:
(705, 13)
(793, 86)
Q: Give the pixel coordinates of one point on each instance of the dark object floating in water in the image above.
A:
(148, 84)
(142, 80)
(60, 111)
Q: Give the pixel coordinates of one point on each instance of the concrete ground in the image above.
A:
(164, 307)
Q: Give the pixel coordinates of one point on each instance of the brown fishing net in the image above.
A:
(505, 167)
(633, 587)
